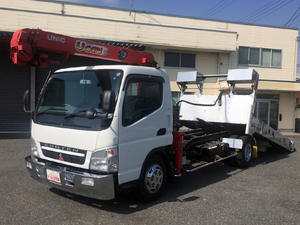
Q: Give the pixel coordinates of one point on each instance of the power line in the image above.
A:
(131, 4)
(263, 16)
(245, 18)
(296, 24)
(222, 8)
(266, 10)
(214, 7)
(292, 19)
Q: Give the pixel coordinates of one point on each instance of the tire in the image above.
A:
(244, 157)
(153, 179)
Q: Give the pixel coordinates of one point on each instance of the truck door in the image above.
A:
(143, 123)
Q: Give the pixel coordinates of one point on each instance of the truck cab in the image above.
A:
(99, 129)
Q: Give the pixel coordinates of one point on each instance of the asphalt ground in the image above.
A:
(266, 193)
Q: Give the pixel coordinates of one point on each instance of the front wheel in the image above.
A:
(153, 179)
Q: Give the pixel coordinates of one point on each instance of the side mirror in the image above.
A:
(108, 101)
(26, 101)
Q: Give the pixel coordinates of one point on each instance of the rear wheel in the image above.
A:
(244, 157)
(153, 179)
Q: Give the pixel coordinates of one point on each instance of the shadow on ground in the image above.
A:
(126, 203)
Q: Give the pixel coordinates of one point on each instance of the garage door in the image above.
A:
(14, 80)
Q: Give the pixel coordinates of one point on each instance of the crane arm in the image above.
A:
(27, 47)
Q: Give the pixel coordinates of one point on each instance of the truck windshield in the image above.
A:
(73, 93)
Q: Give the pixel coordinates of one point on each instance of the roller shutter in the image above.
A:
(14, 80)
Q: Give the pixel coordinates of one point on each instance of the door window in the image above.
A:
(142, 97)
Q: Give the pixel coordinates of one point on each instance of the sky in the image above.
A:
(264, 12)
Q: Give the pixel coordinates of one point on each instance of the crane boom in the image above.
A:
(28, 47)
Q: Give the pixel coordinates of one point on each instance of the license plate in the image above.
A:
(53, 176)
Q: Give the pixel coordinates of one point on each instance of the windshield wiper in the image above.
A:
(90, 113)
(71, 115)
(46, 110)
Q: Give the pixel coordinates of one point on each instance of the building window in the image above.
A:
(180, 60)
(259, 57)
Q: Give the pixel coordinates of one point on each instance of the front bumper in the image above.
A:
(98, 186)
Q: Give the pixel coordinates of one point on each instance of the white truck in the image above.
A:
(101, 129)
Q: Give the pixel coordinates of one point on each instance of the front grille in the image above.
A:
(64, 154)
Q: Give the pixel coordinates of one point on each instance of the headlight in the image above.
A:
(34, 149)
(105, 160)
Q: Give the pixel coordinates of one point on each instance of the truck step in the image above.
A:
(199, 165)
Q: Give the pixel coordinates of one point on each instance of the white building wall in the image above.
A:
(83, 21)
(272, 38)
(215, 43)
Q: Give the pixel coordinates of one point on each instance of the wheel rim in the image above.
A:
(248, 152)
(154, 178)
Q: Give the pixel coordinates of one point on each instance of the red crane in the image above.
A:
(27, 47)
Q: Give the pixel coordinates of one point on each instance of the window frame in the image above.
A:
(260, 63)
(141, 78)
(180, 60)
